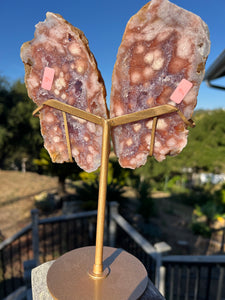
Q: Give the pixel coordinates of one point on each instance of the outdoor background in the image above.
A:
(181, 198)
(103, 23)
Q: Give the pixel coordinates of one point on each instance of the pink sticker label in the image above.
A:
(47, 79)
(181, 91)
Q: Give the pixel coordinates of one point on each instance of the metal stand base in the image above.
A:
(124, 276)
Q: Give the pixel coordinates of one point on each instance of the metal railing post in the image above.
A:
(162, 248)
(157, 269)
(35, 235)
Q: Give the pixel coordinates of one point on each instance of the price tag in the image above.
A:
(181, 91)
(47, 79)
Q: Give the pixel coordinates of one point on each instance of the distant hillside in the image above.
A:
(205, 150)
(206, 145)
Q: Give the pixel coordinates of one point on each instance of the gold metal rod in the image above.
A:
(71, 110)
(143, 114)
(154, 124)
(187, 122)
(67, 137)
(98, 265)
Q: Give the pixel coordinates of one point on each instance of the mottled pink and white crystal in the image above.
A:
(162, 44)
(77, 81)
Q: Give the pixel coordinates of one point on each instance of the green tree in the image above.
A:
(19, 131)
(146, 203)
(206, 143)
(204, 151)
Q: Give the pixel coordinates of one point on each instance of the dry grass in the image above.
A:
(16, 198)
(174, 221)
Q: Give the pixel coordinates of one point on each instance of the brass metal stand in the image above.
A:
(116, 274)
(68, 278)
(98, 265)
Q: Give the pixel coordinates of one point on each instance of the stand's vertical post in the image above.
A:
(98, 265)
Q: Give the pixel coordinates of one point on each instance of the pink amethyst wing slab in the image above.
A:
(162, 45)
(59, 65)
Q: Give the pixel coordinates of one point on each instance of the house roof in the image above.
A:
(216, 70)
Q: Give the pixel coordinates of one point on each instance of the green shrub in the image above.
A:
(220, 197)
(204, 216)
(197, 196)
(146, 202)
(201, 228)
(174, 181)
(44, 202)
(211, 210)
(88, 194)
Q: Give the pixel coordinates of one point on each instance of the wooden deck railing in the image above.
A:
(194, 277)
(177, 277)
(42, 240)
(13, 252)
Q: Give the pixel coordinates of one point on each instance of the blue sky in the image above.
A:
(103, 23)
